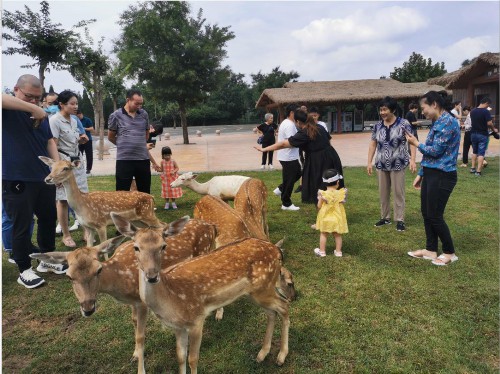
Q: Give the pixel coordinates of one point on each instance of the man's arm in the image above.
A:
(112, 136)
(13, 103)
(52, 149)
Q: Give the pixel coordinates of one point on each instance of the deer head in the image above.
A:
(183, 179)
(60, 170)
(149, 243)
(84, 268)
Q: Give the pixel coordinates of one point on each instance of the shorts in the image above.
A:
(479, 143)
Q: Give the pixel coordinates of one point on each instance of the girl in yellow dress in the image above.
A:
(331, 216)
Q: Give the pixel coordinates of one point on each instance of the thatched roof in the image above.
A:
(461, 77)
(351, 91)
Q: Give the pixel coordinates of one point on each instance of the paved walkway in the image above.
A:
(233, 151)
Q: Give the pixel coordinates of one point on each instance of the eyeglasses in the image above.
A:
(29, 96)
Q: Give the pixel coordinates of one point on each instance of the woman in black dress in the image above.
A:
(268, 130)
(314, 140)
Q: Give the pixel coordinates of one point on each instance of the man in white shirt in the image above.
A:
(289, 160)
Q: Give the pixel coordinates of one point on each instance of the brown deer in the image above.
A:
(233, 226)
(183, 295)
(251, 202)
(93, 209)
(119, 276)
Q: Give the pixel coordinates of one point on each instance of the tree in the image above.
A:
(466, 62)
(88, 65)
(418, 69)
(113, 83)
(45, 42)
(178, 57)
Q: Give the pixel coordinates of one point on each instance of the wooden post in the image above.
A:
(339, 118)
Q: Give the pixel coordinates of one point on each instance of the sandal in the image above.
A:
(337, 253)
(69, 242)
(318, 252)
(443, 260)
(419, 253)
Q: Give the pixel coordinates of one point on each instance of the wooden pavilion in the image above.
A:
(342, 93)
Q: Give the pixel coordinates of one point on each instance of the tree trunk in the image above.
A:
(41, 75)
(182, 112)
(115, 106)
(175, 121)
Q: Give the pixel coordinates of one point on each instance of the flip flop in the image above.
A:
(443, 260)
(414, 255)
(69, 242)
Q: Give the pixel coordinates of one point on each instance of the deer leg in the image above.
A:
(219, 314)
(195, 335)
(139, 316)
(181, 340)
(103, 234)
(285, 326)
(90, 236)
(266, 345)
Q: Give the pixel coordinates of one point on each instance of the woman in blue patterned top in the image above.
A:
(437, 175)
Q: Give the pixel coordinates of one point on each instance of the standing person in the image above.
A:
(25, 136)
(480, 122)
(437, 176)
(319, 154)
(268, 130)
(457, 111)
(388, 139)
(289, 160)
(331, 216)
(169, 173)
(128, 128)
(411, 117)
(67, 138)
(467, 142)
(86, 148)
(314, 112)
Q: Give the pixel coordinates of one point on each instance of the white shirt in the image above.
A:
(286, 130)
(321, 123)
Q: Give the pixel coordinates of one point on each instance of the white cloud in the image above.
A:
(388, 23)
(466, 48)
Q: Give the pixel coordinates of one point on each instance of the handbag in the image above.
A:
(260, 139)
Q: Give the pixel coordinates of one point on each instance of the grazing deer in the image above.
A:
(231, 226)
(251, 202)
(93, 209)
(183, 295)
(224, 186)
(119, 276)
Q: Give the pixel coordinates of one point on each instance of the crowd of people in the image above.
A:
(51, 125)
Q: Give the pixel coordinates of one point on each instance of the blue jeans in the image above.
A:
(479, 143)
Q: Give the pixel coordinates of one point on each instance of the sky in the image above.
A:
(321, 40)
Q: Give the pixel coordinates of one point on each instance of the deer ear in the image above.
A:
(139, 224)
(175, 227)
(280, 243)
(194, 176)
(110, 245)
(123, 225)
(51, 257)
(46, 160)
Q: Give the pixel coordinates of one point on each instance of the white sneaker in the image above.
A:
(58, 229)
(30, 279)
(291, 207)
(263, 167)
(271, 167)
(277, 191)
(45, 267)
(75, 226)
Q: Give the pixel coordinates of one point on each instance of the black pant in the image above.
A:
(264, 157)
(126, 170)
(290, 174)
(21, 200)
(436, 189)
(87, 149)
(466, 146)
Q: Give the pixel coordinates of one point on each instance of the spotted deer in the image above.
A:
(251, 202)
(233, 226)
(119, 276)
(93, 209)
(183, 295)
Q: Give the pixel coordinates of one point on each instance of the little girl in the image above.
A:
(331, 216)
(169, 171)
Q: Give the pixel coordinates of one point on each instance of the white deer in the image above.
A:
(93, 209)
(119, 276)
(185, 294)
(223, 186)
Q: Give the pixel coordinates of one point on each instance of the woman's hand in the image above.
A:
(417, 183)
(83, 139)
(413, 166)
(257, 148)
(411, 139)
(369, 168)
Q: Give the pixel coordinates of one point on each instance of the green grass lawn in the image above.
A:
(376, 310)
